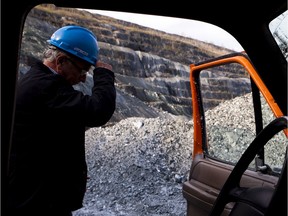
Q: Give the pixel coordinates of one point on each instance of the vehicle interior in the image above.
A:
(216, 186)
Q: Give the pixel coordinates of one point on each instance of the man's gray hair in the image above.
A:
(51, 53)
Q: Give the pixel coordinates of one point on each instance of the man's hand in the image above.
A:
(104, 65)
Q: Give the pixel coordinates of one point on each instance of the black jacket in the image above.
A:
(48, 167)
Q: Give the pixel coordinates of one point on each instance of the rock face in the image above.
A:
(151, 67)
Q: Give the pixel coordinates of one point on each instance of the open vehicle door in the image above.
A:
(220, 143)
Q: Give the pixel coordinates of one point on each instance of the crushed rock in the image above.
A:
(137, 166)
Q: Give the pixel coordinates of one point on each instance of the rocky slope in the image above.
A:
(151, 67)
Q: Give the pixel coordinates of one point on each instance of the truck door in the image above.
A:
(231, 105)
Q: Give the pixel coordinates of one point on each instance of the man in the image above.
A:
(47, 170)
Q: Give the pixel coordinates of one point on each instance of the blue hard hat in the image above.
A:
(77, 41)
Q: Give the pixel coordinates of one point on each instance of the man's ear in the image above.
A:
(59, 63)
(60, 59)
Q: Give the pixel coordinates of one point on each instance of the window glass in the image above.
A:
(276, 147)
(279, 30)
(230, 125)
(230, 118)
(228, 110)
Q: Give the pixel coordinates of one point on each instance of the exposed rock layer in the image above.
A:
(151, 67)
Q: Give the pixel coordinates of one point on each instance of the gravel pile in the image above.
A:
(232, 122)
(137, 166)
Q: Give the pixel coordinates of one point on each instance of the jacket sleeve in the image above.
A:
(102, 102)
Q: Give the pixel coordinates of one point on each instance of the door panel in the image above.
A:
(207, 178)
